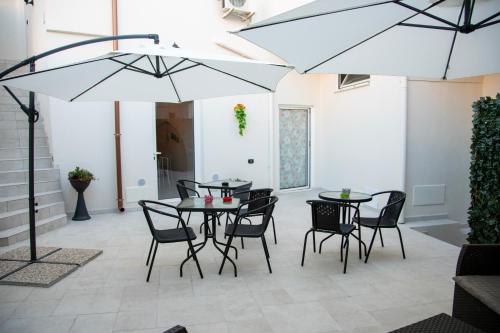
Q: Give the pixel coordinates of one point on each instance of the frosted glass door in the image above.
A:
(294, 148)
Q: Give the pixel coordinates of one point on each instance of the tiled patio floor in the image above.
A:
(110, 293)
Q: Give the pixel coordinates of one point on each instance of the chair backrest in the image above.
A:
(186, 192)
(265, 209)
(390, 213)
(326, 214)
(147, 209)
(257, 205)
(242, 192)
(191, 184)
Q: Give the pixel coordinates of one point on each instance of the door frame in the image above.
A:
(311, 154)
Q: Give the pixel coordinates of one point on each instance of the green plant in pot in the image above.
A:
(80, 179)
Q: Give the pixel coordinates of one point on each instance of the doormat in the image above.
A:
(53, 265)
(451, 233)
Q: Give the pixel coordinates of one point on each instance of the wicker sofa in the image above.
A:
(477, 287)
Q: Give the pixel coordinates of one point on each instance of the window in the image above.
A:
(347, 80)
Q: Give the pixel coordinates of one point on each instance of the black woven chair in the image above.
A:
(388, 218)
(326, 217)
(236, 229)
(176, 235)
(251, 195)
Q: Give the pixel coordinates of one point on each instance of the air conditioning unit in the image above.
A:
(236, 8)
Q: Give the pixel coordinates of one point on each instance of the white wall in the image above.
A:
(439, 131)
(360, 141)
(491, 85)
(13, 30)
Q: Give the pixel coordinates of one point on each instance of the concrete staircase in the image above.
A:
(14, 174)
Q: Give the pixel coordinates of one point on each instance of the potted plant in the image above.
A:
(80, 179)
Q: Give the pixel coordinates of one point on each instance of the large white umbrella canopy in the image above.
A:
(432, 38)
(152, 73)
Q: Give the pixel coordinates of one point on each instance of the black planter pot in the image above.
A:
(81, 213)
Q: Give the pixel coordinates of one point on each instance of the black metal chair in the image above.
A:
(184, 193)
(176, 235)
(250, 195)
(326, 216)
(236, 229)
(191, 184)
(388, 218)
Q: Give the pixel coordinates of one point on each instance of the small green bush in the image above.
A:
(80, 174)
(484, 212)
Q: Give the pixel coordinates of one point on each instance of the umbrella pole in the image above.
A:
(32, 119)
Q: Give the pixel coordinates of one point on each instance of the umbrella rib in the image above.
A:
(372, 36)
(135, 68)
(154, 69)
(480, 23)
(488, 24)
(171, 81)
(182, 69)
(423, 12)
(426, 26)
(229, 74)
(62, 67)
(171, 68)
(104, 79)
(315, 15)
(453, 43)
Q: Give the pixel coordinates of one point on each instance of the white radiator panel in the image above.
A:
(424, 195)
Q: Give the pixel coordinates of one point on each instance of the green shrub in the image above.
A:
(484, 212)
(80, 174)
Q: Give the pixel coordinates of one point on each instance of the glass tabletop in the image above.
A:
(199, 205)
(231, 184)
(353, 196)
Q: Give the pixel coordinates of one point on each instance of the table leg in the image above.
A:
(201, 245)
(214, 240)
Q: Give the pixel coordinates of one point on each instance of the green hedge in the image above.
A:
(484, 212)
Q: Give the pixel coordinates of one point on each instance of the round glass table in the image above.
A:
(354, 197)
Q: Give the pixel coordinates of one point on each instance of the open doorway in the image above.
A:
(174, 146)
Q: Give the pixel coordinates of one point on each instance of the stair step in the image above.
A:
(14, 132)
(19, 176)
(8, 204)
(10, 164)
(19, 217)
(15, 189)
(8, 121)
(13, 235)
(21, 141)
(22, 152)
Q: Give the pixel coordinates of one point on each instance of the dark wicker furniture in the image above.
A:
(442, 323)
(175, 235)
(477, 287)
(388, 218)
(326, 218)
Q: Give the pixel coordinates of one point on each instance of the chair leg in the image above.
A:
(314, 241)
(152, 262)
(359, 241)
(371, 244)
(150, 250)
(401, 241)
(380, 234)
(266, 251)
(274, 230)
(346, 252)
(342, 249)
(226, 250)
(321, 243)
(189, 216)
(304, 248)
(191, 247)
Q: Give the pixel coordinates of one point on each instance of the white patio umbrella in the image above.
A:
(154, 73)
(433, 38)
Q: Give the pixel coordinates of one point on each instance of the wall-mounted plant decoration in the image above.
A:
(484, 212)
(241, 117)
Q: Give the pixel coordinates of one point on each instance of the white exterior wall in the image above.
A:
(438, 149)
(13, 30)
(361, 133)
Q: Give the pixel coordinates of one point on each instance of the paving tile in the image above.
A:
(94, 323)
(126, 321)
(59, 324)
(28, 309)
